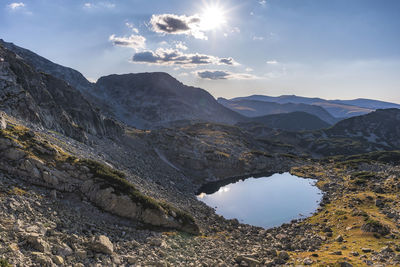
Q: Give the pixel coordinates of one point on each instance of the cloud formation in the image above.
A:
(136, 42)
(224, 75)
(164, 56)
(89, 5)
(272, 62)
(174, 24)
(15, 6)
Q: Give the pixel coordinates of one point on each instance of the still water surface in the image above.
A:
(265, 201)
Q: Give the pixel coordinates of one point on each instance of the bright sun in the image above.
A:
(212, 17)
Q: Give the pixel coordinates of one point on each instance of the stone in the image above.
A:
(131, 259)
(81, 254)
(339, 238)
(249, 261)
(3, 123)
(345, 264)
(283, 255)
(58, 260)
(366, 250)
(102, 244)
(64, 250)
(308, 261)
(37, 243)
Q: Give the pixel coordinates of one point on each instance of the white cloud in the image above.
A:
(181, 46)
(272, 62)
(15, 6)
(249, 69)
(175, 57)
(89, 5)
(258, 38)
(136, 42)
(174, 24)
(224, 75)
(262, 2)
(132, 27)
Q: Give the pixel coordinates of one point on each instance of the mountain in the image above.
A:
(380, 127)
(41, 64)
(293, 121)
(43, 99)
(256, 108)
(145, 100)
(368, 103)
(334, 107)
(148, 100)
(376, 131)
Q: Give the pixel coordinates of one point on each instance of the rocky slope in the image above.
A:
(41, 64)
(30, 156)
(376, 131)
(148, 100)
(293, 121)
(210, 152)
(255, 108)
(44, 100)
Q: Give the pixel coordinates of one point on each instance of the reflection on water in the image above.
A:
(267, 201)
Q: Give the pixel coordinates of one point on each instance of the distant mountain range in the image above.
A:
(152, 100)
(256, 108)
(337, 108)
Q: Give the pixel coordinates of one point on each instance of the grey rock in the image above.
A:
(102, 244)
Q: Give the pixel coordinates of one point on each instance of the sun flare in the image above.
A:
(213, 17)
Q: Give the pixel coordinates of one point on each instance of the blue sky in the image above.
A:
(326, 48)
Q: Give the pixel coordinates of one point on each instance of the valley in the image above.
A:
(106, 173)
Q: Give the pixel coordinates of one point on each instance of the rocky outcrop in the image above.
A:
(41, 64)
(44, 100)
(24, 154)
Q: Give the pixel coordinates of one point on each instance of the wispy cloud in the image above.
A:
(181, 46)
(136, 42)
(132, 27)
(224, 75)
(258, 38)
(96, 5)
(176, 57)
(272, 62)
(15, 6)
(175, 24)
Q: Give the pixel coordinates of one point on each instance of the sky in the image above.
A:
(334, 49)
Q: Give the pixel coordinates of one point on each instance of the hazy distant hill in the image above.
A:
(255, 108)
(336, 108)
(368, 103)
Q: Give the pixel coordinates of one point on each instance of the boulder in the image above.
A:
(102, 244)
(3, 123)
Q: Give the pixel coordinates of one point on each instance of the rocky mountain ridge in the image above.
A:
(47, 101)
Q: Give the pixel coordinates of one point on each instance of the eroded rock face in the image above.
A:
(42, 99)
(20, 158)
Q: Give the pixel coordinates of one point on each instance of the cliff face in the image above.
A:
(42, 99)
